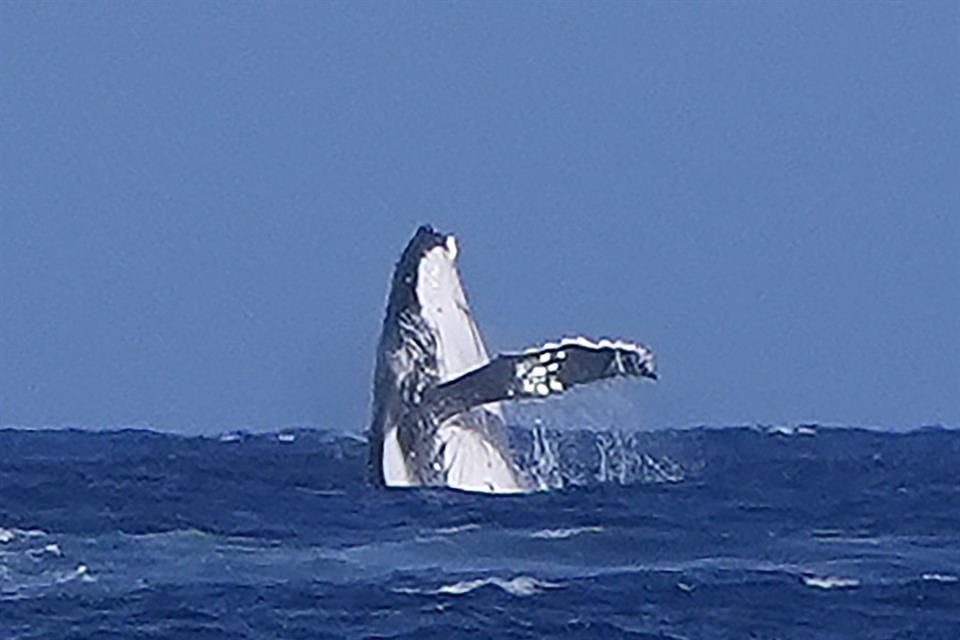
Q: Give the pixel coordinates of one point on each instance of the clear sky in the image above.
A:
(201, 203)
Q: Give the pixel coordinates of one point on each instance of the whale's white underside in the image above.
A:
(471, 462)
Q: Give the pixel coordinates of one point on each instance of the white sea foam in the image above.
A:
(831, 582)
(51, 549)
(470, 526)
(8, 535)
(520, 586)
(82, 573)
(940, 577)
(790, 430)
(562, 534)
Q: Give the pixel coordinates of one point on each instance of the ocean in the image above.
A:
(699, 533)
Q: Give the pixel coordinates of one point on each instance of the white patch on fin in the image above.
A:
(539, 377)
(554, 350)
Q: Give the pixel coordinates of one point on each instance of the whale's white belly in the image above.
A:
(473, 463)
(395, 472)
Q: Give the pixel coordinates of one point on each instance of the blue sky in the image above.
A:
(201, 203)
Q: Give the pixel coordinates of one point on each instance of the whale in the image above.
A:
(437, 414)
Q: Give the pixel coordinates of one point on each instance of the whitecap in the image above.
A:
(831, 582)
(462, 587)
(940, 577)
(470, 526)
(82, 572)
(8, 535)
(51, 549)
(790, 430)
(520, 586)
(561, 534)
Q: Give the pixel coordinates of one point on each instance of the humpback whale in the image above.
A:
(437, 418)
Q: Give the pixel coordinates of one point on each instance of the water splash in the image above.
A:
(557, 459)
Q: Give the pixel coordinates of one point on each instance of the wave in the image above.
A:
(33, 561)
(831, 582)
(9, 535)
(148, 467)
(558, 459)
(563, 534)
(520, 586)
(81, 572)
(470, 526)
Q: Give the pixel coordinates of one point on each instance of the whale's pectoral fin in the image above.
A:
(538, 373)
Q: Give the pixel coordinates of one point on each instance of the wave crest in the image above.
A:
(519, 586)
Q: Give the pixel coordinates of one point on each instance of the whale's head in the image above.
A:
(429, 312)
(429, 334)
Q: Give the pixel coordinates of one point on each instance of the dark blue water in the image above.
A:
(733, 533)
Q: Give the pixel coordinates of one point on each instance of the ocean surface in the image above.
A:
(701, 533)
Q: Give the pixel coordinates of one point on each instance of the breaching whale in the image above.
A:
(437, 419)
